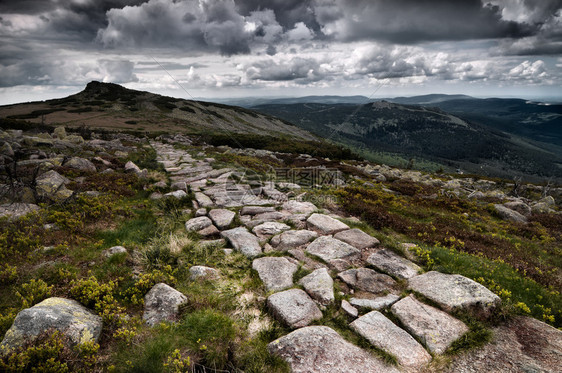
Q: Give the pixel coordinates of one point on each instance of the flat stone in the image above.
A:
(455, 292)
(384, 334)
(162, 303)
(269, 216)
(436, 329)
(196, 224)
(328, 248)
(325, 224)
(211, 230)
(349, 308)
(255, 210)
(357, 238)
(202, 272)
(269, 229)
(319, 285)
(389, 262)
(509, 214)
(114, 251)
(243, 241)
(222, 217)
(375, 304)
(368, 280)
(319, 349)
(296, 207)
(294, 308)
(275, 272)
(67, 316)
(292, 239)
(203, 200)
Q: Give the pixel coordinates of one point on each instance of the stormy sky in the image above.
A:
(233, 48)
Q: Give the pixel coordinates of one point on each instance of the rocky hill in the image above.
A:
(132, 252)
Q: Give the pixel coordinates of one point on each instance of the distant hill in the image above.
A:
(426, 132)
(249, 102)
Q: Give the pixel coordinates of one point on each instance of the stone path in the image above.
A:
(258, 219)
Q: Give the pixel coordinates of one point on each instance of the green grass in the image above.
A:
(131, 232)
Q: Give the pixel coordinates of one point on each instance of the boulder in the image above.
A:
(368, 280)
(294, 308)
(179, 194)
(196, 224)
(131, 167)
(161, 304)
(455, 292)
(222, 217)
(17, 210)
(389, 262)
(384, 334)
(509, 214)
(319, 349)
(67, 316)
(292, 239)
(74, 139)
(548, 200)
(541, 208)
(357, 238)
(269, 228)
(243, 241)
(202, 272)
(296, 207)
(328, 248)
(375, 304)
(60, 133)
(275, 272)
(325, 224)
(436, 329)
(114, 251)
(319, 285)
(81, 164)
(519, 206)
(51, 185)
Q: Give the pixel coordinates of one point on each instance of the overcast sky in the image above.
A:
(233, 48)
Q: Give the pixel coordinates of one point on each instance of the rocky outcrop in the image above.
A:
(67, 316)
(509, 214)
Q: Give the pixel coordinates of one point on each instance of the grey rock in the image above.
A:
(60, 132)
(357, 238)
(179, 185)
(162, 303)
(509, 214)
(74, 139)
(255, 210)
(319, 285)
(203, 200)
(519, 206)
(269, 216)
(196, 224)
(294, 308)
(455, 292)
(17, 210)
(548, 200)
(202, 272)
(384, 334)
(81, 164)
(200, 212)
(292, 239)
(375, 304)
(541, 208)
(328, 248)
(114, 250)
(211, 230)
(51, 185)
(269, 228)
(276, 273)
(325, 224)
(296, 207)
(243, 241)
(319, 349)
(176, 194)
(6, 149)
(389, 262)
(69, 317)
(349, 308)
(436, 329)
(131, 167)
(222, 217)
(368, 280)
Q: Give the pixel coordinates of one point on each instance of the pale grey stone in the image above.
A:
(519, 206)
(368, 280)
(222, 217)
(255, 210)
(319, 349)
(455, 292)
(328, 248)
(67, 316)
(114, 250)
(509, 214)
(296, 207)
(357, 238)
(384, 334)
(211, 230)
(162, 303)
(389, 262)
(436, 329)
(200, 212)
(203, 200)
(176, 194)
(131, 167)
(349, 308)
(292, 239)
(17, 210)
(198, 272)
(276, 273)
(377, 303)
(269, 229)
(80, 164)
(325, 224)
(243, 241)
(196, 224)
(294, 308)
(319, 285)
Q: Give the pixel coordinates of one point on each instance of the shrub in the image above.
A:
(33, 292)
